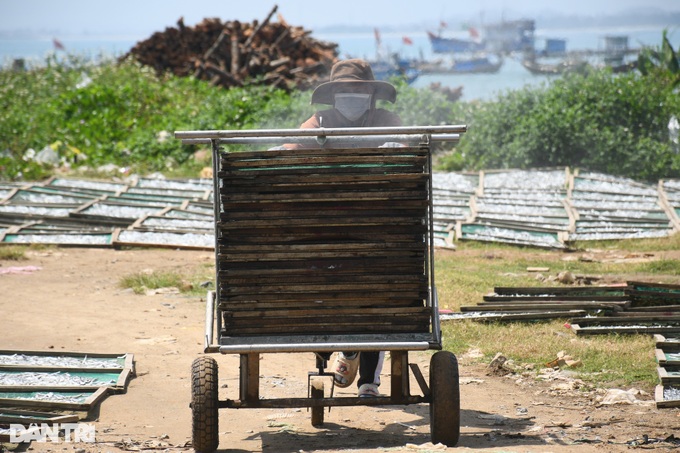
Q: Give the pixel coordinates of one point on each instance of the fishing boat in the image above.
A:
(391, 64)
(384, 69)
(562, 67)
(615, 57)
(453, 45)
(510, 36)
(503, 38)
(480, 64)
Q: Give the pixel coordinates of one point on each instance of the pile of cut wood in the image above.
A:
(235, 53)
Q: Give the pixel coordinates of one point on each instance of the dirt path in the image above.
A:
(73, 303)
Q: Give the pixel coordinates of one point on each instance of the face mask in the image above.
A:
(352, 105)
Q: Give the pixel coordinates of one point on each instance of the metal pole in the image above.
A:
(322, 131)
(324, 347)
(345, 140)
(216, 213)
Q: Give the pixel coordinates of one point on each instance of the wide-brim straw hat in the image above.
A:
(350, 73)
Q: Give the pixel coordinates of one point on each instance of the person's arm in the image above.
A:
(311, 123)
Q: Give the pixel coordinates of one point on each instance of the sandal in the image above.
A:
(345, 369)
(368, 391)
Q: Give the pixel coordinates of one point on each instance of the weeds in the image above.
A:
(143, 281)
(189, 281)
(13, 253)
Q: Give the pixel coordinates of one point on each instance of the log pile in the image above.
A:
(234, 53)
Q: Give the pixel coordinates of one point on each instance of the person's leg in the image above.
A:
(370, 366)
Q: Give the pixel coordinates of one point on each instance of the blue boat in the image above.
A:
(479, 65)
(453, 45)
(386, 69)
(470, 65)
(504, 38)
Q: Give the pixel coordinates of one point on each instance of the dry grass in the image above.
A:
(143, 281)
(13, 253)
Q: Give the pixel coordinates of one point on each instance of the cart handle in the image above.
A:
(322, 131)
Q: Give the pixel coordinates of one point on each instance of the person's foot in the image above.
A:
(345, 368)
(368, 391)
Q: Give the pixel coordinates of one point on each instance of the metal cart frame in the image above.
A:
(380, 150)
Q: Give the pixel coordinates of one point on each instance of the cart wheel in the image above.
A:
(317, 411)
(445, 399)
(204, 398)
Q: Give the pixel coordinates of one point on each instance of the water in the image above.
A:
(475, 86)
(36, 50)
(512, 74)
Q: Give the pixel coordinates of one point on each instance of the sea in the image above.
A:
(371, 46)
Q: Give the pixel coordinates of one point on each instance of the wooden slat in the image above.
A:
(274, 153)
(320, 197)
(543, 306)
(325, 247)
(329, 207)
(291, 235)
(556, 290)
(324, 279)
(296, 212)
(320, 267)
(557, 298)
(622, 329)
(324, 317)
(330, 170)
(652, 298)
(300, 255)
(335, 311)
(266, 288)
(659, 286)
(644, 318)
(326, 329)
(312, 297)
(326, 181)
(247, 305)
(311, 275)
(314, 162)
(322, 222)
(321, 319)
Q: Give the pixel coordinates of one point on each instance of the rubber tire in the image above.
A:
(445, 399)
(317, 411)
(204, 399)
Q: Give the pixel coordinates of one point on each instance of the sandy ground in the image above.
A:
(73, 303)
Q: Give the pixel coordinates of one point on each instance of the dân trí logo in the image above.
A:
(58, 432)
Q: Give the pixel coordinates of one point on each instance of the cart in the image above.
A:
(325, 247)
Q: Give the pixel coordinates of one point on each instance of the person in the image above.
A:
(352, 91)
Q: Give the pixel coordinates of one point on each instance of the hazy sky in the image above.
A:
(146, 16)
